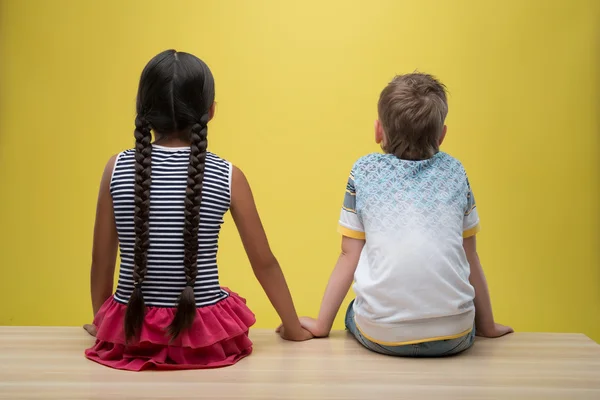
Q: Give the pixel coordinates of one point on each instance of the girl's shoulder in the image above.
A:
(214, 158)
(218, 165)
(124, 162)
(124, 156)
(211, 157)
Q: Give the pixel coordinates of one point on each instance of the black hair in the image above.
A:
(175, 95)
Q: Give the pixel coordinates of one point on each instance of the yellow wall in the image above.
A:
(297, 85)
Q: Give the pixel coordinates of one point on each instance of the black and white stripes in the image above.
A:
(165, 278)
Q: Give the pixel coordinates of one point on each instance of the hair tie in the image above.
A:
(190, 284)
(137, 285)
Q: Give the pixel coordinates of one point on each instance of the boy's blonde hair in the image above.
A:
(412, 110)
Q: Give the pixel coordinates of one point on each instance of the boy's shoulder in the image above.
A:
(369, 159)
(441, 159)
(450, 160)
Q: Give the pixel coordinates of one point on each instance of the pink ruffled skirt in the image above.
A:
(218, 337)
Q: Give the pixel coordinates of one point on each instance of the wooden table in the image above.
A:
(48, 363)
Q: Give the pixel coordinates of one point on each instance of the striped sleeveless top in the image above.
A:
(165, 278)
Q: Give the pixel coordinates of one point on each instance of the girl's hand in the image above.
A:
(495, 331)
(312, 325)
(294, 336)
(91, 329)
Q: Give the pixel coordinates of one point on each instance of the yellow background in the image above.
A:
(297, 85)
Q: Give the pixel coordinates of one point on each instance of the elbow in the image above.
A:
(265, 264)
(351, 248)
(351, 255)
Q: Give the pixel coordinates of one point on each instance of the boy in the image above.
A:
(409, 224)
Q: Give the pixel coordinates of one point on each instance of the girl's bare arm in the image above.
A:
(264, 264)
(104, 252)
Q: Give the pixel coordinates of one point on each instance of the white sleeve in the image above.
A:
(350, 224)
(471, 218)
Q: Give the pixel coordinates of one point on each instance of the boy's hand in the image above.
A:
(294, 336)
(91, 329)
(313, 326)
(495, 331)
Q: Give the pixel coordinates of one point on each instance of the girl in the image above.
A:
(163, 204)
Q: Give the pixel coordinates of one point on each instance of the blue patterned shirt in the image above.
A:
(412, 281)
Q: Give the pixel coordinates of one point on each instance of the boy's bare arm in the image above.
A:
(339, 283)
(484, 317)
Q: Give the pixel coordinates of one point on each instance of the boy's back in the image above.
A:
(412, 281)
(408, 228)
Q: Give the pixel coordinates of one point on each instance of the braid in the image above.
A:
(134, 316)
(186, 308)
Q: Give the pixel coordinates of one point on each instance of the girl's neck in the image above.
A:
(172, 140)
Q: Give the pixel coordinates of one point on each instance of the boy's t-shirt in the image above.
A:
(412, 280)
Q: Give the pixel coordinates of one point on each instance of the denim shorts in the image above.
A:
(438, 348)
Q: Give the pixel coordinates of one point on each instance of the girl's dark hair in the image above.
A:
(175, 95)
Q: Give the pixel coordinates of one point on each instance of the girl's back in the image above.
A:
(165, 278)
(218, 335)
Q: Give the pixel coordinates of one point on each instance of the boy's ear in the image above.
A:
(378, 132)
(211, 111)
(443, 136)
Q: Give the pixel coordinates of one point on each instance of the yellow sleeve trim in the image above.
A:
(472, 232)
(351, 233)
(433, 339)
